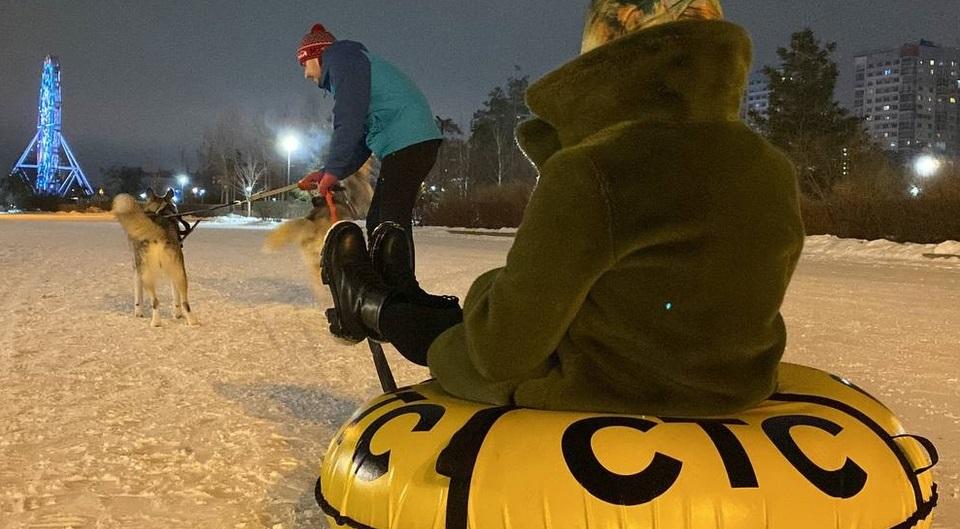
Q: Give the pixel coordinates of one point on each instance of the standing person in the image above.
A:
(379, 110)
(649, 270)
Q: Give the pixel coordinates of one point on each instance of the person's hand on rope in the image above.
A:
(321, 181)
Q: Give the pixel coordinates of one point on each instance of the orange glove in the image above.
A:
(320, 181)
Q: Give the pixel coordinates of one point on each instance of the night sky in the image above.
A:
(143, 79)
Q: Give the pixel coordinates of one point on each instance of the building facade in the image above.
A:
(908, 97)
(756, 98)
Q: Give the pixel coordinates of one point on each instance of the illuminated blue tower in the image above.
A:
(48, 165)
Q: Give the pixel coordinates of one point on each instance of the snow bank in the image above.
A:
(817, 246)
(835, 247)
(238, 221)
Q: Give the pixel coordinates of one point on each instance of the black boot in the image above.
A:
(392, 255)
(359, 293)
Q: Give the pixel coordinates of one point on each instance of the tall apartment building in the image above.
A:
(908, 97)
(757, 96)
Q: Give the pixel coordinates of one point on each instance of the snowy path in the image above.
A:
(108, 423)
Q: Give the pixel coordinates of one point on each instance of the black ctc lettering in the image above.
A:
(370, 466)
(844, 483)
(405, 396)
(617, 489)
(739, 469)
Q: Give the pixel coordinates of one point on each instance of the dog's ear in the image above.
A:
(169, 195)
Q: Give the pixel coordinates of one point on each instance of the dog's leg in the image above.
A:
(179, 279)
(151, 287)
(137, 293)
(177, 302)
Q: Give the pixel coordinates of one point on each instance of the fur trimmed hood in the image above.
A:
(679, 72)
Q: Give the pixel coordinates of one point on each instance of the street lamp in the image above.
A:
(289, 143)
(926, 165)
(182, 180)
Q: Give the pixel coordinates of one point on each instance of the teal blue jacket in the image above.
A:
(377, 109)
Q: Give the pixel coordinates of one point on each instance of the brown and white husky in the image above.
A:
(352, 200)
(157, 252)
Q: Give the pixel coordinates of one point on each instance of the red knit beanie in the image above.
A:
(312, 46)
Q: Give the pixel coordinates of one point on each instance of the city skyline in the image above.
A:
(908, 97)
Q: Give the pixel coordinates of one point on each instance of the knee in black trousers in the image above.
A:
(401, 176)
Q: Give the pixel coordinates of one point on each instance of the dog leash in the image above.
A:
(331, 207)
(256, 196)
(387, 382)
(188, 229)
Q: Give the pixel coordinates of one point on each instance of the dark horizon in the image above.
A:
(141, 82)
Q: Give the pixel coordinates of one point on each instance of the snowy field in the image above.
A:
(108, 423)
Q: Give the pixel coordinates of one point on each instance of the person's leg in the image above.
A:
(373, 214)
(412, 327)
(401, 176)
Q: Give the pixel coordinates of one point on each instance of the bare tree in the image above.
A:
(247, 180)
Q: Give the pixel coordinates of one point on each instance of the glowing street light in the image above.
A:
(926, 165)
(289, 143)
(183, 180)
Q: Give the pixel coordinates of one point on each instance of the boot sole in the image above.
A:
(333, 315)
(337, 330)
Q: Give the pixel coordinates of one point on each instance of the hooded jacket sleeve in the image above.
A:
(348, 78)
(516, 316)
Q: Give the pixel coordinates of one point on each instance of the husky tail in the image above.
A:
(290, 232)
(135, 222)
(308, 235)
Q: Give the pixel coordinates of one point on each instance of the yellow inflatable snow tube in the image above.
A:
(820, 453)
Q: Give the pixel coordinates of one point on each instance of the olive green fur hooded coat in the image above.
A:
(648, 273)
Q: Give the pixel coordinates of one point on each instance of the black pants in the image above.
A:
(411, 327)
(401, 176)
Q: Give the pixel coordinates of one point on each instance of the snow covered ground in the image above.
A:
(108, 423)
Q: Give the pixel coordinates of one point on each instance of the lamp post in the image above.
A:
(183, 180)
(289, 143)
(925, 167)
